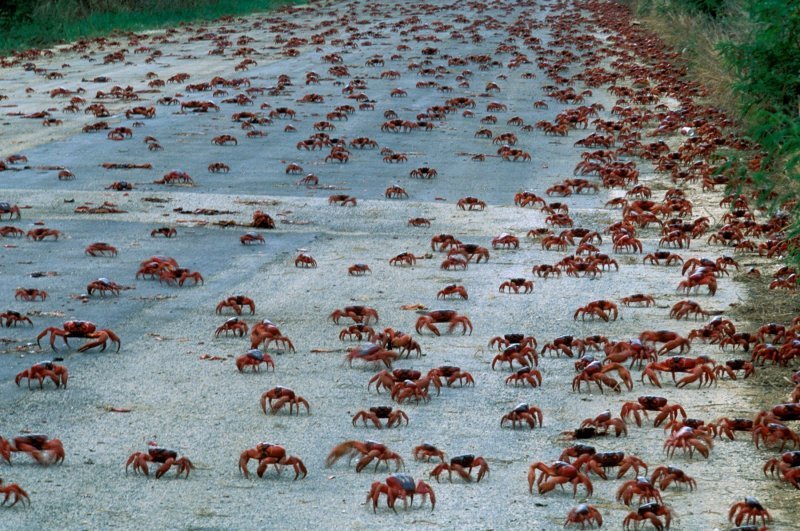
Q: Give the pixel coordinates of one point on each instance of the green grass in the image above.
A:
(27, 24)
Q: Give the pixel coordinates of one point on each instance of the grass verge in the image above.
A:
(747, 53)
(25, 24)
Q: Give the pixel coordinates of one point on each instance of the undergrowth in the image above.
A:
(37, 24)
(748, 54)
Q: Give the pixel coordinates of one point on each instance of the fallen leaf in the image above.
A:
(413, 307)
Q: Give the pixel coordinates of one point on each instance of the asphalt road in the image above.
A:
(208, 411)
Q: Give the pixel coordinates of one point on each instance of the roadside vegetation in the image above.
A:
(748, 53)
(35, 24)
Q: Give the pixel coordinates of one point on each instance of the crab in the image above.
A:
(81, 329)
(599, 462)
(103, 285)
(270, 454)
(305, 260)
(394, 417)
(403, 259)
(237, 303)
(546, 270)
(685, 308)
(43, 370)
(426, 452)
(650, 512)
(157, 454)
(395, 192)
(603, 309)
(772, 433)
(701, 277)
(283, 396)
(651, 403)
(395, 157)
(526, 374)
(583, 514)
(419, 222)
(262, 220)
(725, 426)
(640, 486)
(120, 186)
(369, 451)
(469, 251)
(179, 276)
(11, 210)
(356, 332)
(400, 486)
(522, 354)
(665, 475)
(42, 233)
(166, 232)
(441, 242)
(222, 140)
(13, 489)
(253, 358)
(700, 368)
(658, 257)
(12, 318)
(11, 232)
(788, 465)
(730, 367)
(605, 421)
(400, 340)
(41, 448)
(521, 414)
(470, 203)
(357, 270)
(505, 240)
(234, 325)
(557, 473)
(251, 238)
(451, 317)
(597, 372)
(266, 332)
(749, 510)
(639, 298)
(423, 173)
(671, 340)
(451, 374)
(462, 465)
(453, 289)
(516, 284)
(689, 439)
(100, 248)
(359, 314)
(408, 389)
(218, 167)
(506, 340)
(342, 200)
(371, 353)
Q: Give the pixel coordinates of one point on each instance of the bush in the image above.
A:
(767, 59)
(26, 24)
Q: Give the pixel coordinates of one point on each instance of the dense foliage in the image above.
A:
(758, 43)
(26, 24)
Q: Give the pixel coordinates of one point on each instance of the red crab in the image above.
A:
(157, 454)
(400, 486)
(452, 317)
(43, 370)
(82, 329)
